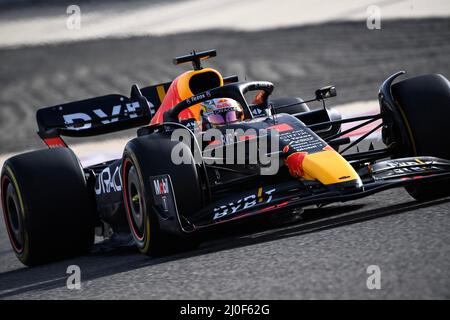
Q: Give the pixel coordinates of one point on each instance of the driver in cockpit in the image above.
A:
(218, 112)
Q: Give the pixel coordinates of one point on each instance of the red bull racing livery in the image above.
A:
(211, 150)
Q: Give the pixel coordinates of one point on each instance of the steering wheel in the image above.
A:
(234, 91)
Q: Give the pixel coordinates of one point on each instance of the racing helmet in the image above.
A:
(217, 112)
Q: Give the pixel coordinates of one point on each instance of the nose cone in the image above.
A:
(331, 169)
(347, 187)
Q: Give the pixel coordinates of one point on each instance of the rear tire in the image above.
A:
(148, 156)
(48, 212)
(424, 104)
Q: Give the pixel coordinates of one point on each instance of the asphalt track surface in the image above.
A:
(323, 255)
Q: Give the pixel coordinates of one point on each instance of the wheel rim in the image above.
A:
(136, 208)
(12, 213)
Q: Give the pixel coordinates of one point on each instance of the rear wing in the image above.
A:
(101, 115)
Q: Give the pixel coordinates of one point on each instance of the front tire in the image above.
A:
(424, 105)
(148, 156)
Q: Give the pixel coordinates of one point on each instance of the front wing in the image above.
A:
(294, 193)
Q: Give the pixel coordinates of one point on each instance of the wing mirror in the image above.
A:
(326, 92)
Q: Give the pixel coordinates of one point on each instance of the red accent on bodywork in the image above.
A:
(281, 127)
(415, 177)
(171, 99)
(247, 137)
(245, 215)
(259, 98)
(274, 207)
(55, 142)
(249, 214)
(295, 163)
(215, 143)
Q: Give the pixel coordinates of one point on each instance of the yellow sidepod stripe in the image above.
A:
(329, 167)
(161, 92)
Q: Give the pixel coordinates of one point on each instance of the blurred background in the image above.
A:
(53, 52)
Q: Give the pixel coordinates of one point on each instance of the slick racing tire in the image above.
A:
(145, 157)
(47, 209)
(424, 104)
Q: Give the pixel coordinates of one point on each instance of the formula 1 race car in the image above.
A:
(178, 178)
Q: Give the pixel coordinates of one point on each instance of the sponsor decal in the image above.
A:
(244, 203)
(163, 196)
(107, 183)
(413, 168)
(161, 186)
(165, 205)
(399, 166)
(81, 120)
(198, 97)
(191, 124)
(301, 139)
(257, 111)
